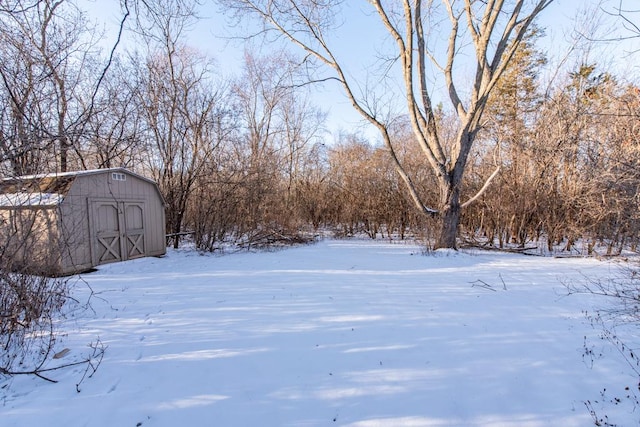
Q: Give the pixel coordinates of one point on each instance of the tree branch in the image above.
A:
(483, 189)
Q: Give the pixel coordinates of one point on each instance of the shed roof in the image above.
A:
(47, 189)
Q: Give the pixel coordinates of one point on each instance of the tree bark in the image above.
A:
(449, 217)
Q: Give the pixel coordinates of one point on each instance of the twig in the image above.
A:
(482, 285)
(504, 285)
(98, 353)
(98, 349)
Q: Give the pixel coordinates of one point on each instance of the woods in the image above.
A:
(479, 127)
(520, 152)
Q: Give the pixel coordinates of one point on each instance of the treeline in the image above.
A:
(570, 170)
(246, 158)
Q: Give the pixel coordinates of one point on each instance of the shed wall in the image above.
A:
(30, 239)
(59, 235)
(78, 216)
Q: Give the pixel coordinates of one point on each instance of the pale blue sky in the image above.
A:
(358, 51)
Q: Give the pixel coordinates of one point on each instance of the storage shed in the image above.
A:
(71, 222)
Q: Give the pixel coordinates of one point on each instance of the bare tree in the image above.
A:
(47, 48)
(493, 28)
(181, 104)
(113, 134)
(303, 125)
(50, 75)
(278, 125)
(25, 91)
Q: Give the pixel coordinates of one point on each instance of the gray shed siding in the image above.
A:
(106, 218)
(90, 191)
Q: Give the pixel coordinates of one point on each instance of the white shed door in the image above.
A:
(118, 231)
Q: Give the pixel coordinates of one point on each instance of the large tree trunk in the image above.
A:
(449, 218)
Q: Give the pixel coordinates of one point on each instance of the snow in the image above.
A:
(349, 333)
(30, 199)
(66, 174)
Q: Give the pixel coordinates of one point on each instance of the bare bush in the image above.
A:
(30, 308)
(29, 305)
(621, 289)
(617, 320)
(26, 302)
(32, 299)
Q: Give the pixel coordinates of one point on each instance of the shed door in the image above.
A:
(134, 230)
(119, 231)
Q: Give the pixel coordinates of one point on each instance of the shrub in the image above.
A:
(29, 305)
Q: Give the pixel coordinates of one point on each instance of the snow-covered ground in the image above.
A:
(348, 333)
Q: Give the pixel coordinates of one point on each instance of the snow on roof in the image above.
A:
(67, 174)
(30, 199)
(68, 177)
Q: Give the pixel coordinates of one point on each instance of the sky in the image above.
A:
(214, 36)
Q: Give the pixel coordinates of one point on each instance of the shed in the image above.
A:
(59, 224)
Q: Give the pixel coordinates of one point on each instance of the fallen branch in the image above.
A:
(98, 354)
(482, 284)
